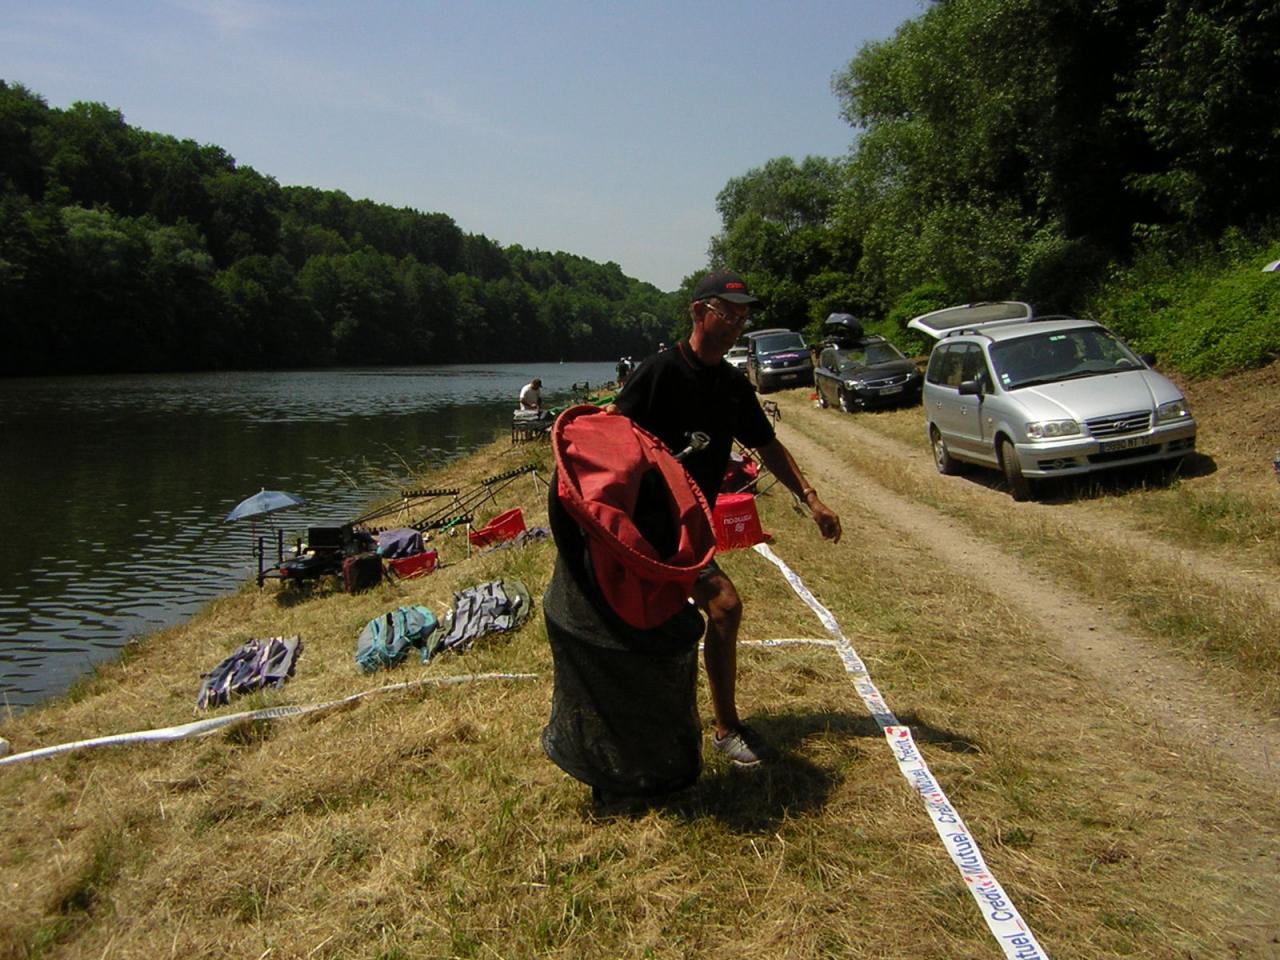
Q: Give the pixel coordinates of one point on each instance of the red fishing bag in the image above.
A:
(647, 525)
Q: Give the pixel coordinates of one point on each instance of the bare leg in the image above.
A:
(716, 594)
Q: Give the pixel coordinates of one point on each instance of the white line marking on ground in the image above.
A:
(1003, 920)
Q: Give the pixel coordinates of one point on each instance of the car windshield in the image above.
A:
(1061, 355)
(851, 358)
(737, 351)
(776, 342)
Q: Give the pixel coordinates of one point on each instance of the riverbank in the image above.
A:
(426, 821)
(127, 536)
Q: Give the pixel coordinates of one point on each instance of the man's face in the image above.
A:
(722, 322)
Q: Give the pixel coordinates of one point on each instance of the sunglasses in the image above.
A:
(736, 316)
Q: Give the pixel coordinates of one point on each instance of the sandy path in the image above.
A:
(1157, 685)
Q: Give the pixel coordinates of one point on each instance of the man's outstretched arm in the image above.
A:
(782, 465)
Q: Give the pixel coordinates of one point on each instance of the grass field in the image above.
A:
(427, 822)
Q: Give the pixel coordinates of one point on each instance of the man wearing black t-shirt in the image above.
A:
(690, 387)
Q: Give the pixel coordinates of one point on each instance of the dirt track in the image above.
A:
(1157, 685)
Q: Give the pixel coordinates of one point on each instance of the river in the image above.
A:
(113, 490)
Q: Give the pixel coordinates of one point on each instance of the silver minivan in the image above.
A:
(1038, 397)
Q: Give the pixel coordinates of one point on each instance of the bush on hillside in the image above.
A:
(1204, 315)
(920, 299)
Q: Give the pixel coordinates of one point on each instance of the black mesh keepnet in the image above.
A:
(624, 717)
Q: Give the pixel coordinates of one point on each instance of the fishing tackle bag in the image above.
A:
(361, 572)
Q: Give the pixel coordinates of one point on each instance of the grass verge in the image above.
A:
(427, 823)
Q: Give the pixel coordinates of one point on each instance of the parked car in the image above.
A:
(778, 357)
(737, 356)
(867, 372)
(1038, 397)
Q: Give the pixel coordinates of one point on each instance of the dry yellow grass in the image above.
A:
(427, 823)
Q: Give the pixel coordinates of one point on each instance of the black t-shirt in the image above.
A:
(672, 394)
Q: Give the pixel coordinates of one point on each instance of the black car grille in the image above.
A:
(1117, 425)
(887, 381)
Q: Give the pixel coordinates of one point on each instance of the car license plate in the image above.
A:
(790, 376)
(1128, 443)
(884, 391)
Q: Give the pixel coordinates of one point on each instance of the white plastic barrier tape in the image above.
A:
(1006, 924)
(200, 728)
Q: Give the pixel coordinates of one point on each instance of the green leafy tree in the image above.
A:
(776, 220)
(1203, 92)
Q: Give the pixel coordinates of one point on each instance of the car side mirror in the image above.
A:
(1148, 358)
(970, 388)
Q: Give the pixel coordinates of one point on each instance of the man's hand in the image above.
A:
(826, 520)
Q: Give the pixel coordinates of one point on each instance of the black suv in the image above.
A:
(778, 357)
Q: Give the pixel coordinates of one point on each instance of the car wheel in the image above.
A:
(1019, 486)
(846, 403)
(942, 459)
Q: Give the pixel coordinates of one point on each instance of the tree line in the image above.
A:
(1021, 149)
(127, 250)
(1028, 149)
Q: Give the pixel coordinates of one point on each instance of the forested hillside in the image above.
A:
(1095, 156)
(127, 250)
(1112, 157)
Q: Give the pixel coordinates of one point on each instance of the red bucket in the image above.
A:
(504, 526)
(417, 565)
(736, 521)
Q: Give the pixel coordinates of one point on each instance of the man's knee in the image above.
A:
(721, 601)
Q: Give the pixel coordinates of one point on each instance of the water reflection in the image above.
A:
(114, 489)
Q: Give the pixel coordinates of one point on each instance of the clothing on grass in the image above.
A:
(492, 607)
(401, 542)
(254, 665)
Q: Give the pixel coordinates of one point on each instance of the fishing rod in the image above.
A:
(510, 474)
(407, 497)
(461, 502)
(442, 524)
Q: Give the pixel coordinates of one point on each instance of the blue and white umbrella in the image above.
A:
(262, 503)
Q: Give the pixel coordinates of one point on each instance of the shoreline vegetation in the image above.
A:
(426, 821)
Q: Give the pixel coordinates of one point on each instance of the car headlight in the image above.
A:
(852, 385)
(1051, 429)
(1171, 411)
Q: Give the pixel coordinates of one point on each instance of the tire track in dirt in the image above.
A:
(1158, 686)
(1212, 569)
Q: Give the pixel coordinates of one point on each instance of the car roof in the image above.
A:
(1039, 325)
(983, 313)
(751, 334)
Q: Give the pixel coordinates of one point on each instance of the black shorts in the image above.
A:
(708, 570)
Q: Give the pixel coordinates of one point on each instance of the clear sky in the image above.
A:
(602, 128)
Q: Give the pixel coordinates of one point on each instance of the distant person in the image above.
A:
(691, 387)
(531, 396)
(623, 368)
